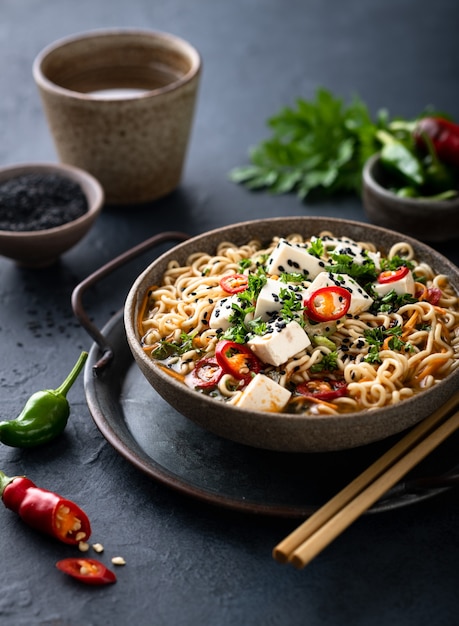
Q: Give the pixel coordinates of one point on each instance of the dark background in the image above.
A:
(189, 563)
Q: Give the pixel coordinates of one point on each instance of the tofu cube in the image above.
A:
(264, 394)
(222, 312)
(293, 258)
(281, 341)
(401, 286)
(269, 302)
(359, 255)
(360, 300)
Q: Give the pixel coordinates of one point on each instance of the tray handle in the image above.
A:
(77, 294)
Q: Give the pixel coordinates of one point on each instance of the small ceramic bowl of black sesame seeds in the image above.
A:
(45, 209)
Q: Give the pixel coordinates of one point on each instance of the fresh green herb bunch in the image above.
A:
(319, 146)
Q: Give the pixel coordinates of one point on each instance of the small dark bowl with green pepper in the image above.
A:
(391, 203)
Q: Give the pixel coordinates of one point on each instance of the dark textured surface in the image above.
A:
(189, 563)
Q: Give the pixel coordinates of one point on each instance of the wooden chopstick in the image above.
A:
(304, 543)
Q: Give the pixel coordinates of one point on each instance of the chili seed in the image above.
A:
(83, 546)
(118, 560)
(98, 547)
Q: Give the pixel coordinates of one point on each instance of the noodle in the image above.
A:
(380, 355)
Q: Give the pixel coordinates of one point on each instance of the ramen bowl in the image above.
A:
(284, 431)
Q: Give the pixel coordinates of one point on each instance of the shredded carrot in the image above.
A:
(319, 401)
(149, 348)
(385, 345)
(142, 309)
(172, 373)
(409, 326)
(432, 366)
(423, 289)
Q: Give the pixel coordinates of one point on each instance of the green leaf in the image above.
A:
(243, 173)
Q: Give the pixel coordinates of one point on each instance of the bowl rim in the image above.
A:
(359, 418)
(85, 179)
(414, 204)
(48, 85)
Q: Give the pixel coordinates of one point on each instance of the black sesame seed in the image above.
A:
(40, 201)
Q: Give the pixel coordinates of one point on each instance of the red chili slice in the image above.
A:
(207, 372)
(328, 303)
(391, 276)
(322, 389)
(234, 283)
(88, 571)
(237, 359)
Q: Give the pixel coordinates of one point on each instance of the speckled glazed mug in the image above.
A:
(120, 105)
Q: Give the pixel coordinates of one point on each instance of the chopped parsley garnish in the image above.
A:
(394, 263)
(328, 363)
(376, 338)
(237, 333)
(291, 306)
(257, 326)
(391, 302)
(167, 349)
(239, 329)
(256, 282)
(316, 247)
(291, 277)
(245, 264)
(344, 264)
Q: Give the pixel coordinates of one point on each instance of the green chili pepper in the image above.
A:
(400, 161)
(44, 416)
(406, 192)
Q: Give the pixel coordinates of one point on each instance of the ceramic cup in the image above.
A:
(120, 105)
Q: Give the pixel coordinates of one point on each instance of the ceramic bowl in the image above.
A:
(120, 105)
(281, 431)
(427, 220)
(40, 248)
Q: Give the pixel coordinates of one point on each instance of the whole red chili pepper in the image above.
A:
(44, 510)
(444, 136)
